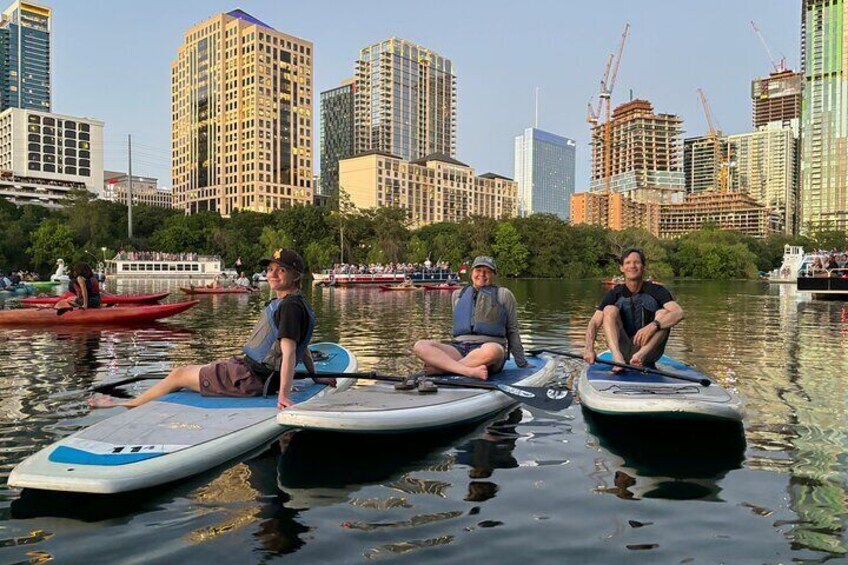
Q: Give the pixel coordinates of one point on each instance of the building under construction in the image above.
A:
(703, 160)
(726, 210)
(777, 98)
(641, 158)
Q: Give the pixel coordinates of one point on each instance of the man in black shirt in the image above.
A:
(636, 316)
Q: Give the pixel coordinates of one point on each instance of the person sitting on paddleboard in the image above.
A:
(278, 341)
(485, 329)
(636, 316)
(85, 289)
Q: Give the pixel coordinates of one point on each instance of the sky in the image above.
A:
(112, 61)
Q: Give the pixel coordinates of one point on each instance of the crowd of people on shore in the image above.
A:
(14, 278)
(155, 256)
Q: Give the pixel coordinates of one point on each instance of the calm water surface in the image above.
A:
(526, 486)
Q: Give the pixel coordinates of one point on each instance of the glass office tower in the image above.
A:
(25, 57)
(544, 171)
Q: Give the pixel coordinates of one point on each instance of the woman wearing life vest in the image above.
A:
(485, 329)
(85, 288)
(636, 316)
(278, 341)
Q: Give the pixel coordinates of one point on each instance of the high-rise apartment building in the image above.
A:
(544, 171)
(824, 114)
(241, 98)
(777, 98)
(727, 210)
(705, 161)
(764, 168)
(405, 100)
(337, 133)
(644, 162)
(25, 57)
(435, 188)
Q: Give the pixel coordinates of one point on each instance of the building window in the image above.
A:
(85, 172)
(34, 166)
(49, 168)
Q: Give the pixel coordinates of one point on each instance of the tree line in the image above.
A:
(542, 245)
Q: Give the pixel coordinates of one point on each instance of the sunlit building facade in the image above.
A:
(405, 100)
(241, 97)
(25, 57)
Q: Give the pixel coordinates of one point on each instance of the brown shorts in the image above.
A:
(229, 378)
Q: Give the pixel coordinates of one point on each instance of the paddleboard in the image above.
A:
(636, 394)
(379, 408)
(178, 435)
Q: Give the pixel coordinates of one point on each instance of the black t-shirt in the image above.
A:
(656, 296)
(292, 318)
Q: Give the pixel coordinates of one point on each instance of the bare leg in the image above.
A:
(181, 377)
(446, 359)
(613, 330)
(649, 351)
(489, 354)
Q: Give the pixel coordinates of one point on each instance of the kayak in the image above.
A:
(380, 409)
(170, 438)
(441, 286)
(637, 395)
(106, 299)
(205, 290)
(92, 316)
(19, 289)
(391, 287)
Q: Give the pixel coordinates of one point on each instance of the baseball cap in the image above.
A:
(484, 261)
(285, 258)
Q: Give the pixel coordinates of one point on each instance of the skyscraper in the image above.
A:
(241, 98)
(25, 57)
(824, 114)
(405, 100)
(336, 133)
(544, 171)
(777, 98)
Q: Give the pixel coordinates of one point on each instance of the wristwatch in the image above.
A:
(657, 324)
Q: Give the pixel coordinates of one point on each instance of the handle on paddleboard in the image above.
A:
(701, 381)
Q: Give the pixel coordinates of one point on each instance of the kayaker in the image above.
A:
(636, 316)
(85, 288)
(278, 341)
(485, 329)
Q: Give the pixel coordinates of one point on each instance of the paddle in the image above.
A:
(700, 381)
(544, 398)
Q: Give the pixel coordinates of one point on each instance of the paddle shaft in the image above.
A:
(700, 381)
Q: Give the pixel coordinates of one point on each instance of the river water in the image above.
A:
(527, 485)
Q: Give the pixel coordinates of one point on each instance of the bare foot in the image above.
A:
(103, 401)
(618, 360)
(325, 381)
(636, 360)
(481, 372)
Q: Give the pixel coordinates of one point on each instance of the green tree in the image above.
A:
(510, 252)
(52, 240)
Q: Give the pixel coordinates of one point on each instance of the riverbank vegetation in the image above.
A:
(33, 237)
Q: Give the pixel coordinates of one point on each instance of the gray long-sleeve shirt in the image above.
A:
(513, 338)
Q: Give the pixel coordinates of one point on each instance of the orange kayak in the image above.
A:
(92, 316)
(105, 299)
(205, 290)
(441, 286)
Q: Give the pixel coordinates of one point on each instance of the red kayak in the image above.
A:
(92, 316)
(388, 287)
(206, 290)
(442, 286)
(105, 299)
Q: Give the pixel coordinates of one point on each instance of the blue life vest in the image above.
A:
(263, 347)
(637, 311)
(478, 312)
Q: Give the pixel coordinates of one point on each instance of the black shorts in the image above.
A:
(465, 348)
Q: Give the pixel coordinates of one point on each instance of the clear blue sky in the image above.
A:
(112, 61)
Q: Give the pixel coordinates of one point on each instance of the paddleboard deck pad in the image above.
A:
(380, 409)
(176, 436)
(633, 393)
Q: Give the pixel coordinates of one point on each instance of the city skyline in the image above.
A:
(563, 54)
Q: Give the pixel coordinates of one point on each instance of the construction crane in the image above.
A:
(721, 160)
(778, 66)
(605, 106)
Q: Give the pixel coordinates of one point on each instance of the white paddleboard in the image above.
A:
(378, 408)
(176, 436)
(633, 393)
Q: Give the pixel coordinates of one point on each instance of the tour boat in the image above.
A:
(328, 278)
